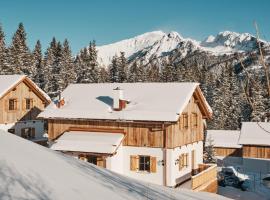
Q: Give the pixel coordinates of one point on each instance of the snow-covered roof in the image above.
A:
(31, 171)
(223, 138)
(255, 133)
(7, 82)
(148, 101)
(82, 141)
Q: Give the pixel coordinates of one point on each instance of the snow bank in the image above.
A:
(29, 171)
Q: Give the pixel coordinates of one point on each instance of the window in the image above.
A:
(28, 133)
(194, 120)
(11, 130)
(28, 103)
(12, 104)
(92, 159)
(183, 161)
(185, 120)
(144, 163)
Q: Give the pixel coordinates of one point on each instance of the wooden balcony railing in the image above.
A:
(205, 179)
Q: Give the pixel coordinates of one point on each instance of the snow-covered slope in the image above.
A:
(152, 43)
(229, 42)
(159, 44)
(32, 172)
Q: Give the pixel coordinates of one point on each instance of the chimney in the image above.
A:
(60, 101)
(119, 103)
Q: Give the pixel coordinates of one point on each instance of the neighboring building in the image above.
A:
(255, 138)
(249, 147)
(20, 102)
(149, 131)
(225, 142)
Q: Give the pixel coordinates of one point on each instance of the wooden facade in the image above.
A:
(254, 151)
(223, 151)
(144, 133)
(21, 102)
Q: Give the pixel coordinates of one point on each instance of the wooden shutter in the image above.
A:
(24, 104)
(134, 163)
(16, 105)
(153, 164)
(101, 162)
(181, 162)
(6, 105)
(187, 160)
(193, 157)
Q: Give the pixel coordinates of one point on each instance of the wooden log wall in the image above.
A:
(20, 93)
(252, 151)
(234, 152)
(142, 134)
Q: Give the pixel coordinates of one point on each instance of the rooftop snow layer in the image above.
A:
(223, 138)
(255, 133)
(30, 171)
(9, 81)
(81, 141)
(148, 101)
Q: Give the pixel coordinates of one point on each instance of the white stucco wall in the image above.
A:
(157, 177)
(173, 172)
(115, 163)
(37, 124)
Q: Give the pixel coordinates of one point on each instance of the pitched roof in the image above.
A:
(82, 141)
(255, 133)
(223, 138)
(8, 82)
(148, 101)
(31, 171)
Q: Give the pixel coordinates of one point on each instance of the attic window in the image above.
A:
(12, 104)
(28, 103)
(185, 120)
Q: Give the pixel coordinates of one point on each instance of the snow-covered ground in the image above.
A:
(32, 172)
(255, 191)
(237, 194)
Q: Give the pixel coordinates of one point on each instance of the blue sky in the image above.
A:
(108, 21)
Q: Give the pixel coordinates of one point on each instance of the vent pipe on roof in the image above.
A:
(119, 103)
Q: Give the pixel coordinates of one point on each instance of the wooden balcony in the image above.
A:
(205, 178)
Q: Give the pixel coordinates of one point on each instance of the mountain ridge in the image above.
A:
(159, 44)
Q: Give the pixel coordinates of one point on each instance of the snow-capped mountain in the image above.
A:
(159, 44)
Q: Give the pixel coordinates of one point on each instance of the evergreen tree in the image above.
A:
(113, 70)
(209, 155)
(153, 73)
(92, 64)
(133, 73)
(67, 70)
(122, 68)
(38, 73)
(168, 73)
(103, 75)
(4, 68)
(19, 54)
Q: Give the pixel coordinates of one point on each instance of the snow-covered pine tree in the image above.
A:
(81, 67)
(113, 70)
(152, 72)
(67, 69)
(168, 72)
(4, 68)
(92, 63)
(209, 155)
(38, 73)
(122, 68)
(103, 75)
(133, 73)
(19, 53)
